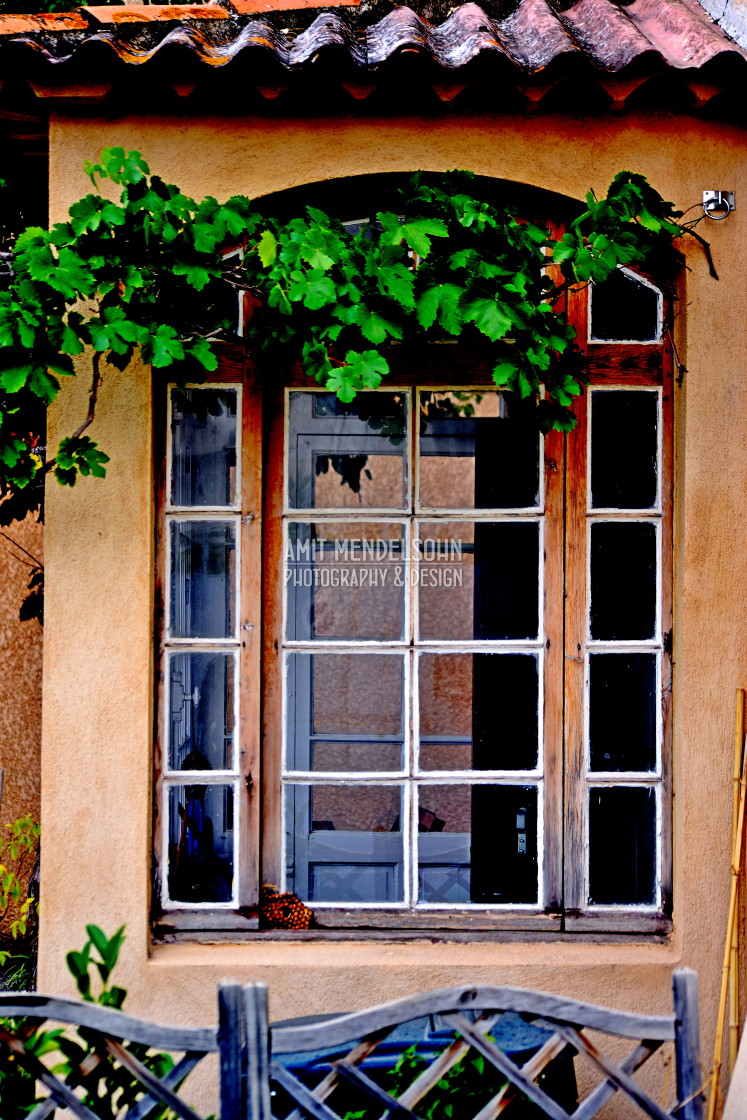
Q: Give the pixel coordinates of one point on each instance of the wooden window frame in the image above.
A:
(566, 516)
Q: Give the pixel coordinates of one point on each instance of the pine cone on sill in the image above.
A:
(282, 911)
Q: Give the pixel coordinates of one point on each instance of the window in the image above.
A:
(416, 657)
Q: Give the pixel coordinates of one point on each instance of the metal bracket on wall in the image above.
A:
(718, 204)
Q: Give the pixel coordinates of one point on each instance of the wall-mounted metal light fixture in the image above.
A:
(718, 204)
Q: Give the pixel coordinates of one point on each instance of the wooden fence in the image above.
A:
(310, 1068)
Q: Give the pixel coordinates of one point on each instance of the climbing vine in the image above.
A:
(158, 272)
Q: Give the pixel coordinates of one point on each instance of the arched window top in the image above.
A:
(625, 308)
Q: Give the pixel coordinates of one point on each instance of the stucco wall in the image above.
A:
(98, 700)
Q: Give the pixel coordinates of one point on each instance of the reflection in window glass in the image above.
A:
(344, 843)
(201, 843)
(622, 845)
(624, 449)
(625, 308)
(203, 556)
(201, 706)
(477, 844)
(623, 580)
(478, 450)
(203, 423)
(622, 711)
(345, 581)
(347, 455)
(478, 711)
(345, 705)
(478, 579)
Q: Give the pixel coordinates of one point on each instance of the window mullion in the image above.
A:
(250, 641)
(552, 720)
(576, 611)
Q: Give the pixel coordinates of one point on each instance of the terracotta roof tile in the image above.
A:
(29, 24)
(678, 33)
(685, 37)
(262, 7)
(147, 13)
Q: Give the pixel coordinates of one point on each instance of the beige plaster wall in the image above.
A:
(98, 704)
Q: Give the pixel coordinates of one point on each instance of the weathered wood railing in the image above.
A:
(298, 1070)
(112, 1031)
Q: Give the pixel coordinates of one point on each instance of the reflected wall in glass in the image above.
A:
(345, 705)
(345, 580)
(202, 584)
(344, 843)
(347, 455)
(478, 711)
(479, 449)
(478, 580)
(200, 856)
(477, 843)
(203, 449)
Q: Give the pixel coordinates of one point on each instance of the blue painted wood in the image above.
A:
(690, 1076)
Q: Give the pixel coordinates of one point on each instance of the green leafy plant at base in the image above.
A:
(18, 855)
(109, 1089)
(463, 1090)
(151, 272)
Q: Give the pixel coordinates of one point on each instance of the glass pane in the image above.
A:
(203, 425)
(344, 843)
(203, 558)
(624, 308)
(623, 580)
(478, 450)
(622, 711)
(624, 449)
(477, 844)
(202, 707)
(345, 581)
(478, 711)
(339, 701)
(332, 755)
(622, 844)
(347, 455)
(478, 579)
(201, 843)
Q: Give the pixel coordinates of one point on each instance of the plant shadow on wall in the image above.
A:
(157, 272)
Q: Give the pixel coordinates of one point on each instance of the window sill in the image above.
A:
(231, 926)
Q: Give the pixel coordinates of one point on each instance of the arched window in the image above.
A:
(415, 656)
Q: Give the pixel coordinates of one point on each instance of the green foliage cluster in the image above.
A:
(110, 1090)
(462, 1091)
(153, 272)
(18, 856)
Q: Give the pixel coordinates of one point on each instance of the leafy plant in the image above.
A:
(464, 1090)
(156, 271)
(79, 1056)
(18, 856)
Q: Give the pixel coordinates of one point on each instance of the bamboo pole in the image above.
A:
(735, 870)
(739, 745)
